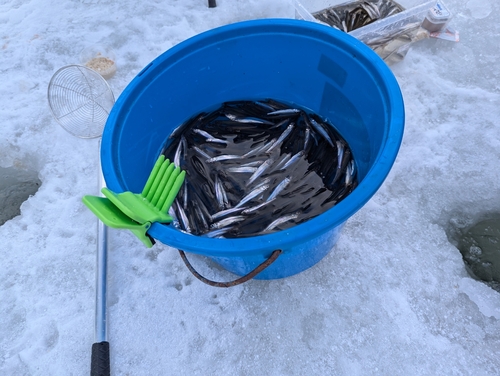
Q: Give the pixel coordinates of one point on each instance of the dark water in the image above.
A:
(257, 167)
(480, 249)
(16, 186)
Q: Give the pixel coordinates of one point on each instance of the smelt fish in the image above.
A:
(321, 130)
(307, 136)
(283, 160)
(242, 169)
(223, 157)
(218, 233)
(181, 149)
(252, 195)
(201, 152)
(279, 188)
(209, 137)
(279, 141)
(183, 217)
(280, 220)
(294, 159)
(260, 170)
(287, 111)
(248, 120)
(256, 207)
(227, 221)
(223, 213)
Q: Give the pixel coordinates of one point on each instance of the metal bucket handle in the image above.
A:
(236, 282)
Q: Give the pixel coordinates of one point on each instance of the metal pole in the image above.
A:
(101, 327)
(100, 364)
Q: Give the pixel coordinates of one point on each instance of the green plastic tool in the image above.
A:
(137, 211)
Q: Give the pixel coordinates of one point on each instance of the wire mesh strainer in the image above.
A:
(80, 100)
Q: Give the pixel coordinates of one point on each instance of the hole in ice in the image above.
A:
(479, 245)
(16, 186)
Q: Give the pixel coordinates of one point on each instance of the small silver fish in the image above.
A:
(287, 111)
(283, 160)
(216, 141)
(175, 221)
(203, 133)
(223, 157)
(340, 159)
(264, 105)
(307, 136)
(258, 149)
(262, 182)
(201, 217)
(280, 220)
(372, 10)
(340, 154)
(280, 124)
(260, 170)
(227, 221)
(231, 116)
(280, 139)
(248, 120)
(201, 152)
(252, 194)
(279, 188)
(184, 219)
(175, 131)
(242, 169)
(220, 193)
(185, 195)
(256, 207)
(224, 197)
(171, 212)
(352, 21)
(252, 164)
(393, 11)
(294, 159)
(209, 137)
(321, 131)
(218, 233)
(181, 149)
(349, 174)
(223, 213)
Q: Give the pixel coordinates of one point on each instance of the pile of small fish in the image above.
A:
(392, 45)
(391, 42)
(256, 167)
(356, 14)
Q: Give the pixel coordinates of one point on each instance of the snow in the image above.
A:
(392, 298)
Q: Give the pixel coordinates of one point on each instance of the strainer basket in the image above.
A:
(80, 100)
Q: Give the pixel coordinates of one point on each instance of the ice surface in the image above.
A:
(485, 298)
(392, 298)
(480, 9)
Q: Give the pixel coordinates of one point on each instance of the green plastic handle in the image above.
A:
(113, 217)
(136, 212)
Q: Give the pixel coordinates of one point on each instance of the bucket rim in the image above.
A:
(265, 244)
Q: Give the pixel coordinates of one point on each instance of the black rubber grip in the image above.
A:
(100, 359)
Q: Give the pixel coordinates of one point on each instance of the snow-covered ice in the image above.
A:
(392, 298)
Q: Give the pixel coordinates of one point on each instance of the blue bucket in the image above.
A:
(315, 67)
